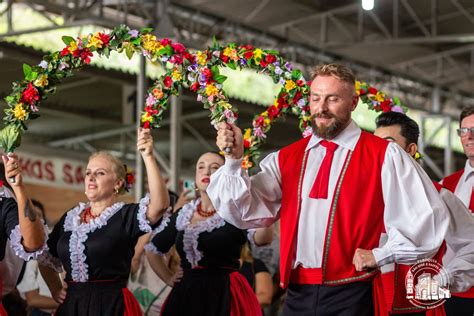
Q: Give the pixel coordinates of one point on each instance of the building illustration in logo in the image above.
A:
(428, 288)
(409, 285)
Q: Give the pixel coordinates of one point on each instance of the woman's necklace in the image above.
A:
(87, 215)
(203, 213)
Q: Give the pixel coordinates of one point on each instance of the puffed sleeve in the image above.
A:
(50, 258)
(163, 239)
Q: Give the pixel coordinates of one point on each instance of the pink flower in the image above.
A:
(150, 100)
(308, 131)
(228, 114)
(258, 132)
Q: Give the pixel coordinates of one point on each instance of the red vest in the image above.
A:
(450, 183)
(356, 216)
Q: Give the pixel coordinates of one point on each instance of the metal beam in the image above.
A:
(198, 136)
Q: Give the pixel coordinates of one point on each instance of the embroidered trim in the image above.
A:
(192, 231)
(150, 247)
(48, 260)
(143, 222)
(164, 222)
(79, 235)
(17, 246)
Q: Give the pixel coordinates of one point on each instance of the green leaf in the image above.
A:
(26, 70)
(146, 30)
(396, 101)
(32, 76)
(129, 52)
(106, 52)
(296, 74)
(232, 65)
(67, 40)
(220, 78)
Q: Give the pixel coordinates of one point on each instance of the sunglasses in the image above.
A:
(464, 130)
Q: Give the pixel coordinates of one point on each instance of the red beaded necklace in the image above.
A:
(87, 215)
(203, 213)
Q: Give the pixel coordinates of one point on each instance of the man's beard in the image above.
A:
(330, 131)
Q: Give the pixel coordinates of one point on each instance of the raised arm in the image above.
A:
(31, 225)
(159, 199)
(246, 202)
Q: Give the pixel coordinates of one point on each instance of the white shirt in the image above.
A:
(459, 258)
(464, 187)
(415, 218)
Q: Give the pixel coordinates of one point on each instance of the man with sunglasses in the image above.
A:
(461, 183)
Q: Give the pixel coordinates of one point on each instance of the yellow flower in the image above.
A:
(201, 57)
(380, 96)
(266, 121)
(225, 105)
(95, 41)
(176, 75)
(231, 53)
(257, 54)
(248, 133)
(42, 81)
(72, 47)
(211, 90)
(290, 85)
(150, 43)
(357, 86)
(146, 117)
(19, 112)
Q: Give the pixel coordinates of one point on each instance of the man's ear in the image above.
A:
(412, 149)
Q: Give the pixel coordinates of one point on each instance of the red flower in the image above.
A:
(65, 51)
(247, 47)
(263, 64)
(298, 95)
(259, 121)
(165, 41)
(176, 59)
(300, 83)
(248, 55)
(246, 143)
(85, 55)
(362, 91)
(225, 59)
(270, 59)
(30, 95)
(146, 124)
(273, 112)
(372, 90)
(130, 178)
(194, 87)
(178, 48)
(168, 81)
(104, 38)
(190, 57)
(208, 74)
(385, 106)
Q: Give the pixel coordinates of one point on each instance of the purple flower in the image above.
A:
(63, 66)
(277, 63)
(146, 53)
(33, 108)
(199, 98)
(150, 100)
(133, 33)
(278, 70)
(192, 68)
(282, 81)
(258, 132)
(164, 59)
(228, 114)
(288, 66)
(243, 61)
(301, 102)
(43, 64)
(397, 108)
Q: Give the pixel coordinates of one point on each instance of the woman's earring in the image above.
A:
(116, 191)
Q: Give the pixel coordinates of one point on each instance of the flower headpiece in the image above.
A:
(129, 178)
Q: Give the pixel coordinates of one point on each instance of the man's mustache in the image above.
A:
(321, 115)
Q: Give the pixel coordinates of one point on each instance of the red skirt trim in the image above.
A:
(243, 301)
(132, 307)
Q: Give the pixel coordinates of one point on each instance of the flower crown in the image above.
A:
(129, 178)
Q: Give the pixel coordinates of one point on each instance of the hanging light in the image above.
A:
(367, 5)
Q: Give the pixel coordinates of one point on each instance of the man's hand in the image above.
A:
(364, 260)
(230, 136)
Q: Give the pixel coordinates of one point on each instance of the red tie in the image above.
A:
(471, 203)
(320, 185)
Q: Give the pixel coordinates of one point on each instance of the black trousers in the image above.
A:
(353, 299)
(459, 306)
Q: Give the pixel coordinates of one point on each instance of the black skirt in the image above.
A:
(99, 298)
(200, 292)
